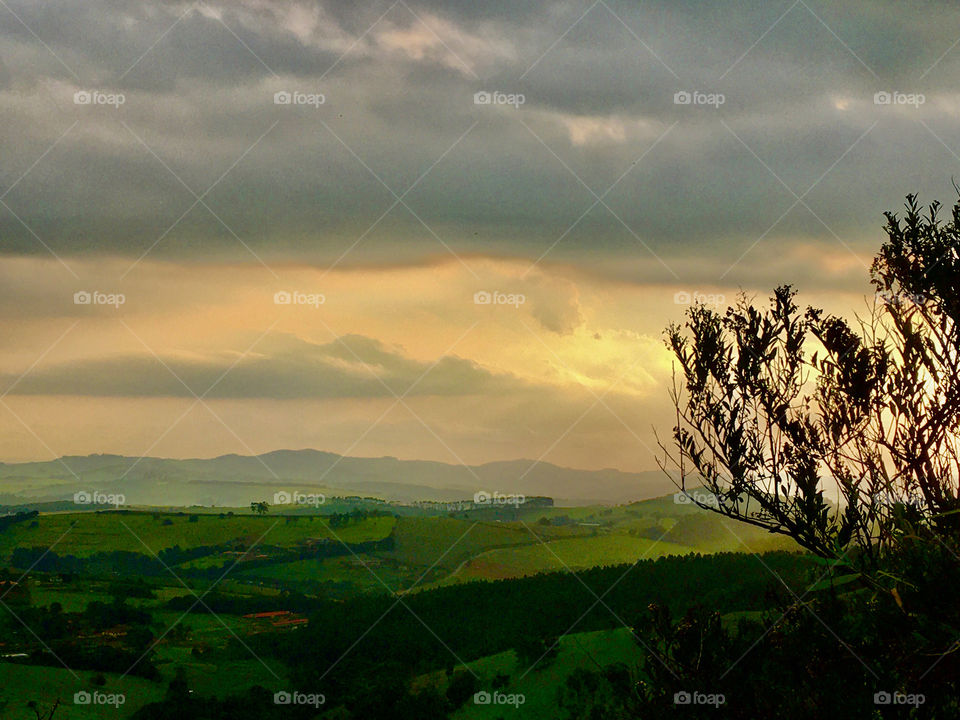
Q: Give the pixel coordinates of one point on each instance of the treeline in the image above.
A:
(224, 604)
(127, 562)
(841, 653)
(50, 636)
(8, 520)
(478, 619)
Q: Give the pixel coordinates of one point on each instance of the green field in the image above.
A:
(217, 655)
(567, 554)
(363, 573)
(71, 599)
(223, 678)
(83, 534)
(541, 686)
(44, 685)
(434, 550)
(447, 542)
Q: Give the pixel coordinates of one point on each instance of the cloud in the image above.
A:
(353, 366)
(555, 303)
(599, 199)
(399, 90)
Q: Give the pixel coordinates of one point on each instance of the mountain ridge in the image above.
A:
(177, 481)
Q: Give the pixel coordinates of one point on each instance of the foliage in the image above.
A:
(774, 406)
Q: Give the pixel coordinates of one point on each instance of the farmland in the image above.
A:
(136, 601)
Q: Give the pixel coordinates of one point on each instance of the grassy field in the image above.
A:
(541, 686)
(453, 549)
(82, 534)
(447, 542)
(435, 544)
(202, 624)
(566, 554)
(224, 678)
(24, 683)
(44, 685)
(71, 599)
(459, 549)
(438, 545)
(363, 573)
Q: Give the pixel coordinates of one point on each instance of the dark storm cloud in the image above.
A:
(798, 83)
(351, 367)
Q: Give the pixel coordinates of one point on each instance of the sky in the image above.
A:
(451, 231)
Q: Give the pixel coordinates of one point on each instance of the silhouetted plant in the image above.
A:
(776, 407)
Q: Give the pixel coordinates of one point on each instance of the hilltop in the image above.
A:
(238, 479)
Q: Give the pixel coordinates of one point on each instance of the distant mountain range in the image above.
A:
(237, 480)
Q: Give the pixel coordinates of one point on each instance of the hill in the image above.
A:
(236, 480)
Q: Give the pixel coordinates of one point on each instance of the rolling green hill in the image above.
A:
(83, 534)
(568, 554)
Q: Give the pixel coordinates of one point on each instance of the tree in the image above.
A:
(776, 407)
(461, 688)
(42, 713)
(260, 508)
(536, 651)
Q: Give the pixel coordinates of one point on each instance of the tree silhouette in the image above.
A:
(41, 713)
(842, 435)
